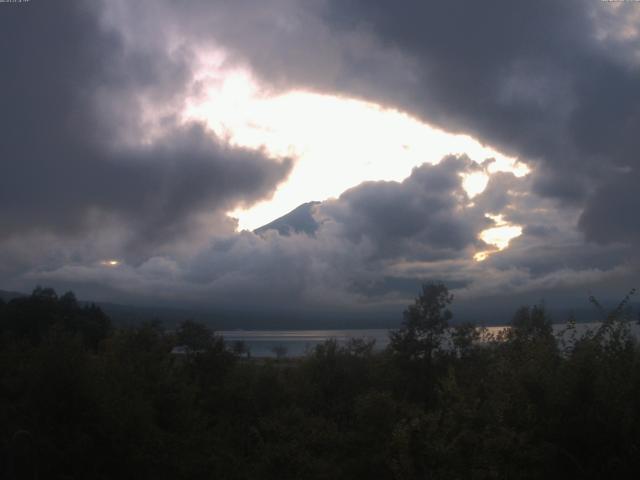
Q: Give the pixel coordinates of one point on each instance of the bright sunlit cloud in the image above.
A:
(338, 142)
(475, 183)
(498, 236)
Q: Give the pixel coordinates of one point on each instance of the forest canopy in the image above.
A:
(80, 398)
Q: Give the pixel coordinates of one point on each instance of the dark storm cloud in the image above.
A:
(550, 259)
(90, 137)
(612, 211)
(423, 217)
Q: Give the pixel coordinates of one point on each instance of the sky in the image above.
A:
(492, 146)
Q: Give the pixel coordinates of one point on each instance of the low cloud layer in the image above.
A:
(371, 249)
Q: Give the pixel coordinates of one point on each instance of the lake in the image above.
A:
(298, 342)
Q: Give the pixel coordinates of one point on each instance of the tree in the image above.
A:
(196, 336)
(280, 351)
(424, 324)
(240, 348)
(530, 323)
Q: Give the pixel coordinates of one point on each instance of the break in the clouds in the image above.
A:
(555, 83)
(111, 186)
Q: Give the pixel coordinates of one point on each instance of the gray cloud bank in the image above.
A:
(96, 164)
(372, 246)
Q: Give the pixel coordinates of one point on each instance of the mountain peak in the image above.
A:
(298, 220)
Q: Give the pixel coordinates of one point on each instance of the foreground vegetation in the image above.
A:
(80, 399)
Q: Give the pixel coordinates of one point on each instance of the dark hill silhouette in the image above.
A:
(6, 295)
(230, 317)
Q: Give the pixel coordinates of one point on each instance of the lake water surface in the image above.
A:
(298, 342)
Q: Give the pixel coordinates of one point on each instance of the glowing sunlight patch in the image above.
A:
(501, 236)
(110, 263)
(498, 236)
(475, 183)
(337, 142)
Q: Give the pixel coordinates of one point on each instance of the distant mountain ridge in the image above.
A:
(7, 295)
(232, 318)
(298, 220)
(247, 318)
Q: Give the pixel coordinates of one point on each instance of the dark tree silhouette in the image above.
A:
(520, 404)
(280, 351)
(424, 324)
(43, 314)
(196, 336)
